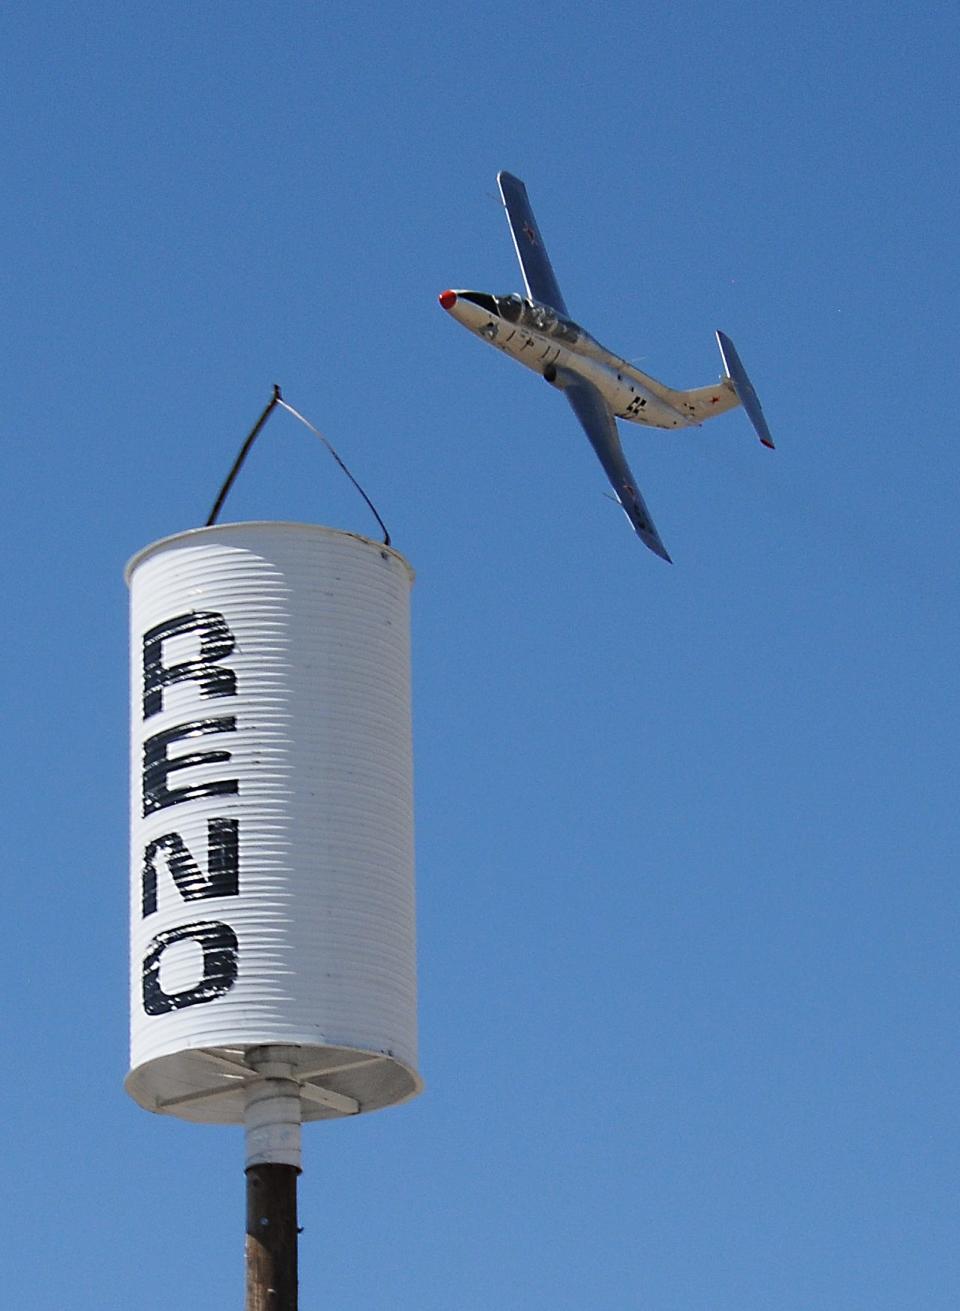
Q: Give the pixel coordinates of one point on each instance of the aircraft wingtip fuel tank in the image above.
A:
(601, 387)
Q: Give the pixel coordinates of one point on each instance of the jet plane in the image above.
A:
(600, 386)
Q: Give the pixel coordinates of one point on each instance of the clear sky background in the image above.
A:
(687, 836)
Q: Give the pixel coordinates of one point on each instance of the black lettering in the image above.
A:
(218, 942)
(222, 878)
(216, 642)
(157, 766)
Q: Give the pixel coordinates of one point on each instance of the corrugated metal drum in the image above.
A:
(272, 897)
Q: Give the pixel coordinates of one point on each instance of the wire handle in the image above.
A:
(275, 400)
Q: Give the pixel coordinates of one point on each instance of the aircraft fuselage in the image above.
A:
(546, 342)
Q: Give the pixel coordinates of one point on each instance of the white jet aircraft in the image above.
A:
(600, 386)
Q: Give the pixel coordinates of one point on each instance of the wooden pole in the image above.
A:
(271, 1242)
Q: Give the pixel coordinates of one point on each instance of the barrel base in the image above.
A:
(209, 1085)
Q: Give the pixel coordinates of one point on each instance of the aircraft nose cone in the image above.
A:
(447, 299)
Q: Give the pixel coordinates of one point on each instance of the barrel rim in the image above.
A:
(231, 529)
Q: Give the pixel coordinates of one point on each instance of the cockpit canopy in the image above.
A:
(526, 314)
(481, 298)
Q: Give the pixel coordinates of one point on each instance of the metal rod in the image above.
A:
(329, 445)
(238, 462)
(270, 1248)
(275, 400)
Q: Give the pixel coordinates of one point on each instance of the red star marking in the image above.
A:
(529, 233)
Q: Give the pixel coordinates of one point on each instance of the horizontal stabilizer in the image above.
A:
(744, 388)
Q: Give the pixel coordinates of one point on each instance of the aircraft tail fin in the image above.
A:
(738, 379)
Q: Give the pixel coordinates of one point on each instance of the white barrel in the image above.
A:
(272, 890)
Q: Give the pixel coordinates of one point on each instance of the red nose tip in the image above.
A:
(447, 299)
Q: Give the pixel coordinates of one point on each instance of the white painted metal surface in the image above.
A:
(272, 1117)
(272, 897)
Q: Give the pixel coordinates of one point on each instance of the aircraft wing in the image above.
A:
(538, 274)
(601, 427)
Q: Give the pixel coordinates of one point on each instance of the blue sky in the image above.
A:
(686, 836)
